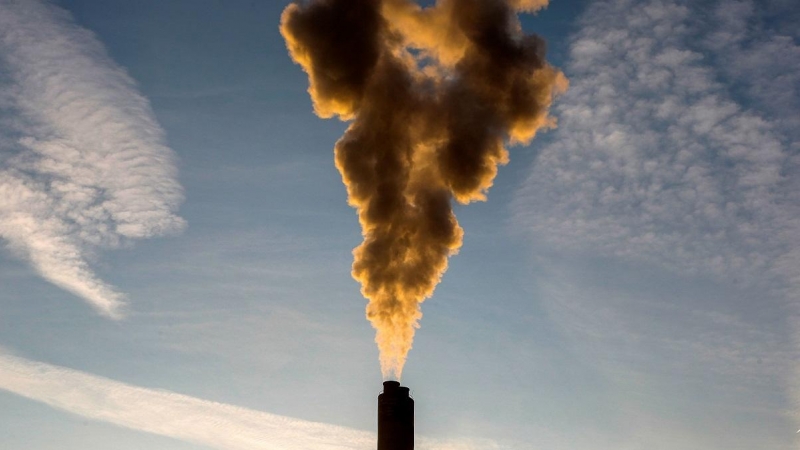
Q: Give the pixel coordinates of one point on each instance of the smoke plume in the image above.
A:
(433, 94)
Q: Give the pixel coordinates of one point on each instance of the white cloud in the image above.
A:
(190, 419)
(755, 53)
(655, 158)
(83, 163)
(676, 149)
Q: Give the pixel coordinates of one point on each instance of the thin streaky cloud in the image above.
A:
(83, 162)
(203, 422)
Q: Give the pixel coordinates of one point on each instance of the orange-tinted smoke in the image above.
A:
(433, 95)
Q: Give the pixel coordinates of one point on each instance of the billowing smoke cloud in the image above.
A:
(83, 164)
(433, 94)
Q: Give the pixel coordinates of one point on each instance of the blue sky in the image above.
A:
(632, 281)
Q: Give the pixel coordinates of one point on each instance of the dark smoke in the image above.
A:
(433, 94)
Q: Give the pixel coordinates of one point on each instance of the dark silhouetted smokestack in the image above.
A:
(395, 418)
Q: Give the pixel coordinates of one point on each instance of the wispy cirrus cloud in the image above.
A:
(182, 417)
(83, 162)
(655, 158)
(754, 46)
(677, 149)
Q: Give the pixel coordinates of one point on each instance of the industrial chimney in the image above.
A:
(395, 418)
